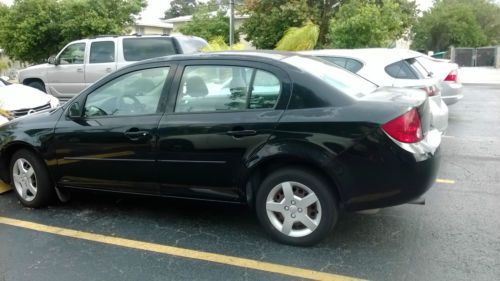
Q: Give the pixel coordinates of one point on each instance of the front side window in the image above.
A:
(73, 54)
(135, 93)
(102, 52)
(226, 88)
(141, 48)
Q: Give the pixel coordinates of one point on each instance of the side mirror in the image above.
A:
(75, 111)
(53, 60)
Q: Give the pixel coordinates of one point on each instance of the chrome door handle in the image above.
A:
(241, 133)
(109, 69)
(79, 70)
(136, 135)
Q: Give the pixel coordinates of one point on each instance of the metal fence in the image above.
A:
(484, 56)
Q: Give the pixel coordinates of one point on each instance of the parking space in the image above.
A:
(455, 236)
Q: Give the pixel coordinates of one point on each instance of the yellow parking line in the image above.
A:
(445, 181)
(179, 252)
(4, 187)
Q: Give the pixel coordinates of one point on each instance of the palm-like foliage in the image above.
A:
(299, 38)
(218, 44)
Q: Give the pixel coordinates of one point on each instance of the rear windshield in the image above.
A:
(342, 80)
(136, 49)
(191, 45)
(350, 64)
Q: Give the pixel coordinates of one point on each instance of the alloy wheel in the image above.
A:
(24, 177)
(293, 209)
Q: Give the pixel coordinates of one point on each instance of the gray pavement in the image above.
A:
(455, 236)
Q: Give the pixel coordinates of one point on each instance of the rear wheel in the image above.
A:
(37, 85)
(296, 206)
(30, 179)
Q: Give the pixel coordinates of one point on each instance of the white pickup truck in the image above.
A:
(82, 62)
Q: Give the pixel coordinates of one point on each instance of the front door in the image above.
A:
(112, 145)
(222, 114)
(67, 78)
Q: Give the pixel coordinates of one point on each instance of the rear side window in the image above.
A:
(210, 88)
(401, 70)
(418, 67)
(102, 52)
(350, 64)
(265, 91)
(136, 49)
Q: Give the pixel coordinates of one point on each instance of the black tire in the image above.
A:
(37, 85)
(322, 190)
(45, 193)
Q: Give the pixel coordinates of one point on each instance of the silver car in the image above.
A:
(447, 74)
(391, 67)
(81, 63)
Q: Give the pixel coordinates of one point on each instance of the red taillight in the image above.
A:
(452, 76)
(405, 128)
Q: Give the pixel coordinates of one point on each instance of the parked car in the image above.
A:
(81, 63)
(293, 136)
(447, 73)
(19, 100)
(391, 67)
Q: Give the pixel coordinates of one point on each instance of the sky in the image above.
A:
(155, 9)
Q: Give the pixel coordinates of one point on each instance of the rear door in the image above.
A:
(222, 113)
(101, 60)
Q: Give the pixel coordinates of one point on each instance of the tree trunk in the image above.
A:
(326, 13)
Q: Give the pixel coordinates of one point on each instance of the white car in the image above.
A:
(447, 73)
(391, 67)
(19, 100)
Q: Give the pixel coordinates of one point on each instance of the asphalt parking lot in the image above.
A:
(455, 236)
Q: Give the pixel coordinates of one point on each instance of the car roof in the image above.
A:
(368, 55)
(261, 56)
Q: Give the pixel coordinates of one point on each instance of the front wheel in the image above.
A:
(30, 179)
(296, 206)
(37, 85)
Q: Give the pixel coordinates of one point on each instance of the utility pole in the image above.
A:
(231, 23)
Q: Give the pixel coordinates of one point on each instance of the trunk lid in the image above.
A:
(399, 101)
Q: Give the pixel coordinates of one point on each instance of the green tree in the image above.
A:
(269, 19)
(466, 23)
(209, 26)
(368, 23)
(180, 8)
(32, 30)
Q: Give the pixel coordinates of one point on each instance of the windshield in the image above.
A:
(342, 80)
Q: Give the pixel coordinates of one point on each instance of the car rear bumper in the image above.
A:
(395, 174)
(439, 113)
(451, 92)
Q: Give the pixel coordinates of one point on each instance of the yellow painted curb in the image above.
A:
(4, 188)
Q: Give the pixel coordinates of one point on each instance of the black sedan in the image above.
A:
(292, 136)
